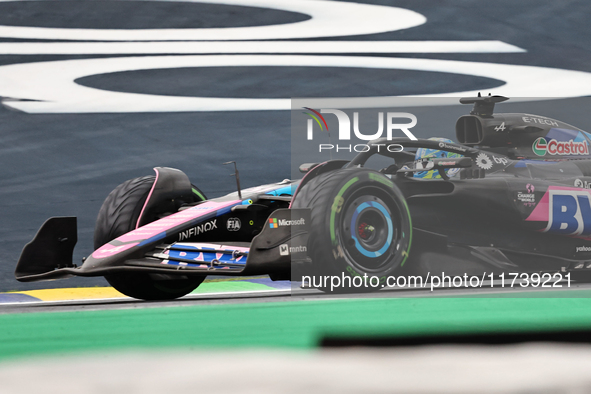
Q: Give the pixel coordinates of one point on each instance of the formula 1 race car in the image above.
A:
(512, 196)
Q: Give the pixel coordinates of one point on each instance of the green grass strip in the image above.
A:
(230, 286)
(299, 324)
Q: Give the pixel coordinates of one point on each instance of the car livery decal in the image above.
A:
(561, 142)
(157, 230)
(201, 255)
(567, 211)
(111, 250)
(285, 190)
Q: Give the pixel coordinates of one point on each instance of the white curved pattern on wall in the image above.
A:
(50, 87)
(52, 83)
(328, 19)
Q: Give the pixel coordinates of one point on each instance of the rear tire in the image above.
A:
(119, 215)
(360, 225)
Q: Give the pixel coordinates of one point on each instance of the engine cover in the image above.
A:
(524, 136)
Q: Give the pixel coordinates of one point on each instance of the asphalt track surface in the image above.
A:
(582, 290)
(63, 164)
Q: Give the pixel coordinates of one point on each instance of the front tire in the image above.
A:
(119, 215)
(360, 225)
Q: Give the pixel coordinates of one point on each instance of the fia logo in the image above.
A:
(233, 224)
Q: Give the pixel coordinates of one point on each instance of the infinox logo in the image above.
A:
(344, 132)
(202, 228)
(541, 146)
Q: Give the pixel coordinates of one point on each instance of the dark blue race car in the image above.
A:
(512, 195)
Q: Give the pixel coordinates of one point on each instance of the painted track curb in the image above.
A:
(209, 287)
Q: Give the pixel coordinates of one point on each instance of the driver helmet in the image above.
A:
(423, 153)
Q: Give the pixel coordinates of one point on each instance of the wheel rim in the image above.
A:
(371, 228)
(370, 231)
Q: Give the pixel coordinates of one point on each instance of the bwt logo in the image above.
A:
(345, 124)
(569, 212)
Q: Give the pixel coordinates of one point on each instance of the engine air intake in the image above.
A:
(469, 130)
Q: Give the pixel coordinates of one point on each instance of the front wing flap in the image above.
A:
(49, 254)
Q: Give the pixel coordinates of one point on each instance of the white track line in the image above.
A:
(214, 47)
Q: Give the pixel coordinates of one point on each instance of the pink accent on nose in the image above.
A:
(168, 222)
(108, 250)
(541, 212)
(147, 199)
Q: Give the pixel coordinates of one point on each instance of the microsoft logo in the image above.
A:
(273, 223)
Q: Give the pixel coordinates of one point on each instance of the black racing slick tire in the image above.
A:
(360, 229)
(118, 215)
